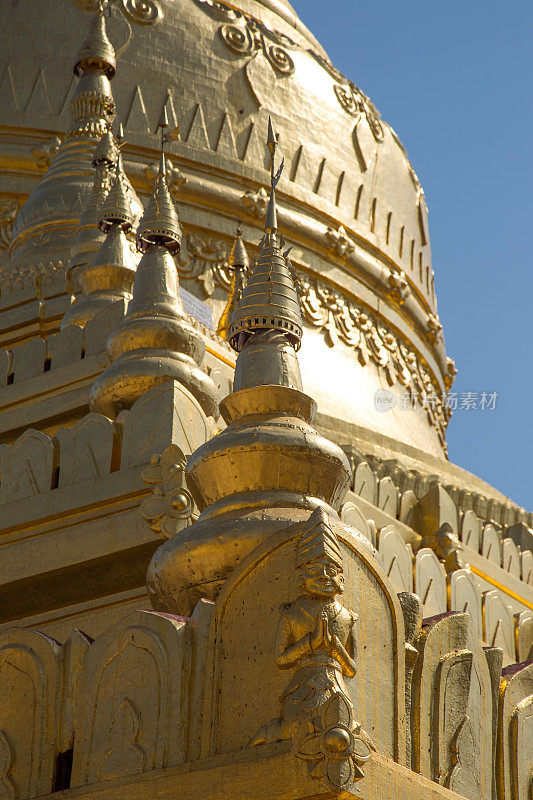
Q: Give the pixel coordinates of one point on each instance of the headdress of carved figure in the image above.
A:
(319, 560)
(318, 541)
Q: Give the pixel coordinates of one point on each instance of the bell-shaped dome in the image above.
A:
(349, 201)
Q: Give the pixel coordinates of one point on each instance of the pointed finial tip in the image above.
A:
(160, 223)
(163, 119)
(271, 223)
(120, 133)
(272, 140)
(162, 124)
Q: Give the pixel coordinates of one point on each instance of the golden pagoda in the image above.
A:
(237, 560)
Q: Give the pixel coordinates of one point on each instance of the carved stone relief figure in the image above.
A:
(316, 636)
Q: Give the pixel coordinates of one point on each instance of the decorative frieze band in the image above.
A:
(339, 318)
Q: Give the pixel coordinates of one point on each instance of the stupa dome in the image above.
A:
(349, 201)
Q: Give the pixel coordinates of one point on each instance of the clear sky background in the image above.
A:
(455, 80)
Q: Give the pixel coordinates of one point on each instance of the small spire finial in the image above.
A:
(269, 299)
(106, 151)
(238, 257)
(271, 225)
(272, 141)
(237, 265)
(116, 208)
(160, 223)
(163, 123)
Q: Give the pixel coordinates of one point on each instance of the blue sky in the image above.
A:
(455, 81)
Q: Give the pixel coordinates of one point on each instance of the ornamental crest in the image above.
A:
(245, 35)
(170, 507)
(143, 12)
(206, 260)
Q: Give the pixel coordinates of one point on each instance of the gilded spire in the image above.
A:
(238, 264)
(268, 468)
(107, 151)
(159, 223)
(155, 342)
(88, 237)
(93, 107)
(238, 257)
(269, 300)
(116, 208)
(46, 224)
(96, 52)
(109, 277)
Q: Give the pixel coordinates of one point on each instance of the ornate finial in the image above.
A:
(88, 237)
(163, 122)
(154, 343)
(238, 257)
(96, 52)
(238, 264)
(104, 265)
(42, 229)
(108, 279)
(272, 139)
(271, 225)
(107, 151)
(117, 206)
(159, 223)
(270, 300)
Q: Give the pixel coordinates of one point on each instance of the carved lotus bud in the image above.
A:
(336, 750)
